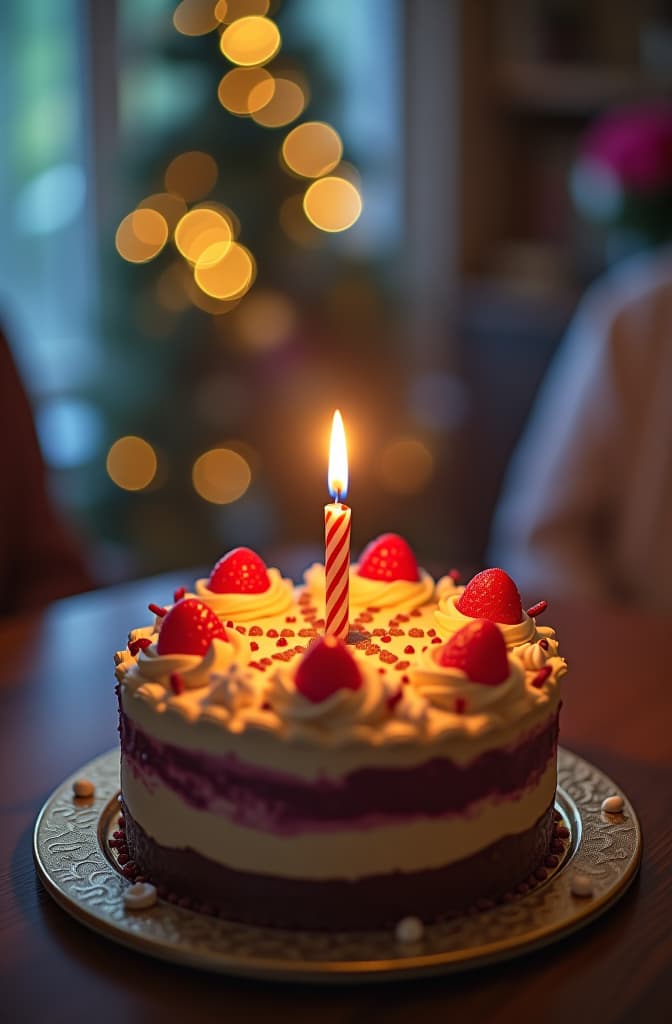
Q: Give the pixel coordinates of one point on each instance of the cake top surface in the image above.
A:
(245, 654)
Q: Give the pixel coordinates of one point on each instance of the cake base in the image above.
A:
(75, 864)
(378, 901)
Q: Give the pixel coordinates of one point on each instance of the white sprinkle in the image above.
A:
(409, 929)
(140, 896)
(581, 885)
(613, 804)
(83, 788)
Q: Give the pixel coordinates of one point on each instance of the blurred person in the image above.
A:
(586, 508)
(39, 561)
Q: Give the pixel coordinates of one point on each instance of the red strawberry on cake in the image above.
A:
(479, 651)
(388, 557)
(240, 571)
(189, 628)
(327, 666)
(492, 595)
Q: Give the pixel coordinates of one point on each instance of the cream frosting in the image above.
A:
(276, 600)
(338, 717)
(449, 688)
(403, 595)
(449, 619)
(196, 671)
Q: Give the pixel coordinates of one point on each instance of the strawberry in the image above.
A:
(388, 558)
(493, 595)
(326, 666)
(240, 571)
(189, 628)
(479, 650)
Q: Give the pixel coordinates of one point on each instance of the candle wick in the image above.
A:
(338, 497)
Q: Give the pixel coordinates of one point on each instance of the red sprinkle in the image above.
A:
(386, 638)
(416, 613)
(179, 594)
(431, 632)
(401, 665)
(254, 646)
(286, 632)
(541, 677)
(229, 623)
(436, 640)
(290, 618)
(241, 629)
(402, 618)
(405, 679)
(388, 657)
(409, 649)
(537, 609)
(176, 683)
(157, 610)
(272, 632)
(138, 645)
(256, 631)
(281, 641)
(416, 632)
(455, 575)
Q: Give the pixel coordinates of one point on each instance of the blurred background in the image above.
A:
(215, 232)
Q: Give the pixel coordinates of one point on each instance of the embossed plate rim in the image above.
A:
(553, 912)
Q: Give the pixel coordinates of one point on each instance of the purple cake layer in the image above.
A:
(289, 805)
(339, 904)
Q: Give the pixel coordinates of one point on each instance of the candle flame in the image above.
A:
(338, 460)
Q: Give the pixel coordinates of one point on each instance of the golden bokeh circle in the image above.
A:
(332, 204)
(312, 149)
(225, 271)
(221, 476)
(405, 466)
(141, 235)
(195, 17)
(284, 105)
(244, 91)
(250, 41)
(200, 229)
(191, 175)
(131, 463)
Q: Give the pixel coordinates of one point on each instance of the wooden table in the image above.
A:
(58, 711)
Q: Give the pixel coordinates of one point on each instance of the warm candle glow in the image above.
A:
(338, 460)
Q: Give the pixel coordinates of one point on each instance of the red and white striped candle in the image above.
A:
(337, 537)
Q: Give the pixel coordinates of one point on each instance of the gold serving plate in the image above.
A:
(76, 866)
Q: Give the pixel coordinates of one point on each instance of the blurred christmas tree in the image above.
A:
(235, 323)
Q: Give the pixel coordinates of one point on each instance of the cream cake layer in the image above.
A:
(411, 844)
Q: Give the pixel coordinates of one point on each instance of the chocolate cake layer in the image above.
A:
(288, 805)
(339, 904)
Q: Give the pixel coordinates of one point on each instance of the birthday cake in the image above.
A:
(279, 776)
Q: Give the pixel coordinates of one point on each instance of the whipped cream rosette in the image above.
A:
(493, 595)
(243, 589)
(473, 678)
(330, 695)
(191, 650)
(386, 576)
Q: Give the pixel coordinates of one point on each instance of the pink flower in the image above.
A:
(635, 144)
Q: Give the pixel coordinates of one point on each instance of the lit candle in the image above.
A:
(337, 537)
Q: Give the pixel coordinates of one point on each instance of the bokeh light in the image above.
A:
(168, 204)
(191, 175)
(141, 236)
(286, 102)
(332, 204)
(70, 431)
(200, 229)
(265, 320)
(195, 17)
(225, 271)
(131, 463)
(227, 11)
(244, 91)
(296, 225)
(221, 476)
(312, 149)
(224, 211)
(250, 41)
(405, 466)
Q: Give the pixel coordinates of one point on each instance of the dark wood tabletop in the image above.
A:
(58, 712)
